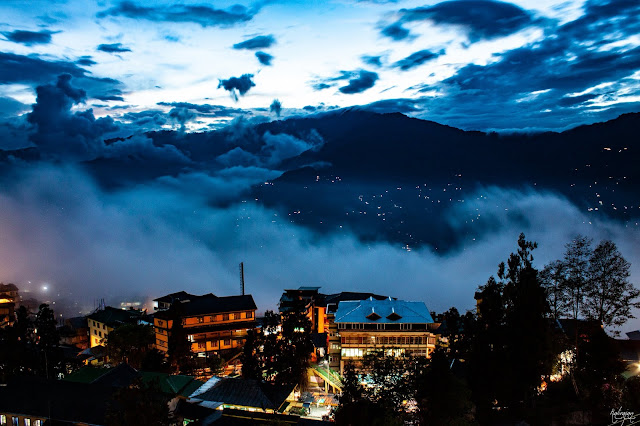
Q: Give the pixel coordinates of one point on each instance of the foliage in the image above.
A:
(45, 328)
(179, 348)
(130, 343)
(443, 398)
(279, 357)
(576, 265)
(610, 295)
(138, 404)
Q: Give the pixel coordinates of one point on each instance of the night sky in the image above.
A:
(74, 74)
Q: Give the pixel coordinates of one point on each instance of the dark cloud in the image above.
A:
(29, 38)
(482, 19)
(207, 109)
(33, 70)
(416, 59)
(60, 133)
(362, 81)
(113, 48)
(538, 82)
(393, 105)
(149, 119)
(359, 81)
(310, 108)
(396, 32)
(10, 107)
(86, 61)
(264, 58)
(181, 116)
(204, 15)
(237, 85)
(321, 86)
(255, 43)
(276, 107)
(375, 61)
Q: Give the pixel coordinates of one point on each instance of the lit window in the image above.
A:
(27, 422)
(248, 314)
(225, 317)
(201, 345)
(14, 421)
(227, 342)
(3, 419)
(200, 319)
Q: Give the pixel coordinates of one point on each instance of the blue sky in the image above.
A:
(474, 64)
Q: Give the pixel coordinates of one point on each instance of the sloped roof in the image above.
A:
(114, 317)
(247, 393)
(634, 335)
(210, 304)
(382, 311)
(56, 399)
(175, 297)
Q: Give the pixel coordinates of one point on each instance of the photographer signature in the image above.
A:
(624, 418)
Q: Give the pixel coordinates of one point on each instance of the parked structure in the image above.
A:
(212, 323)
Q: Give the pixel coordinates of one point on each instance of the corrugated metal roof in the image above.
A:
(366, 311)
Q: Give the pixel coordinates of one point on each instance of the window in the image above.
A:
(190, 338)
(37, 423)
(248, 314)
(100, 333)
(200, 320)
(27, 422)
(236, 315)
(104, 327)
(3, 419)
(227, 342)
(225, 317)
(14, 421)
(201, 345)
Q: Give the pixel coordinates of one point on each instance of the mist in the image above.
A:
(59, 227)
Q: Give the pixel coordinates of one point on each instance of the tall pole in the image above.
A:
(242, 277)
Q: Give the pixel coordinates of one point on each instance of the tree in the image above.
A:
(553, 280)
(45, 327)
(295, 346)
(179, 348)
(130, 343)
(138, 404)
(443, 398)
(610, 295)
(576, 267)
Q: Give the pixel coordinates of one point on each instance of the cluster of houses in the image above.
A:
(345, 326)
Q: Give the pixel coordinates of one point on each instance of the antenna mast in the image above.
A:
(242, 277)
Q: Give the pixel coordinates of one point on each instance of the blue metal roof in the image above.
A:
(383, 311)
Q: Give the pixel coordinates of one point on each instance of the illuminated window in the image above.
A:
(200, 319)
(3, 419)
(14, 421)
(37, 423)
(248, 314)
(201, 345)
(227, 342)
(27, 422)
(236, 315)
(225, 317)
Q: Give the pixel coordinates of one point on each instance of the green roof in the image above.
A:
(86, 374)
(172, 384)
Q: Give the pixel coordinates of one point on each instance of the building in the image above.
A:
(212, 324)
(104, 321)
(75, 332)
(396, 325)
(320, 309)
(8, 298)
(243, 394)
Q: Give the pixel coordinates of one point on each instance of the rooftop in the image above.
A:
(210, 304)
(382, 311)
(246, 393)
(114, 317)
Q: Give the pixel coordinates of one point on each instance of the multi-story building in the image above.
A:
(398, 326)
(212, 324)
(104, 321)
(8, 298)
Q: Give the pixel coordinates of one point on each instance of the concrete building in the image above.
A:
(104, 321)
(398, 326)
(212, 324)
